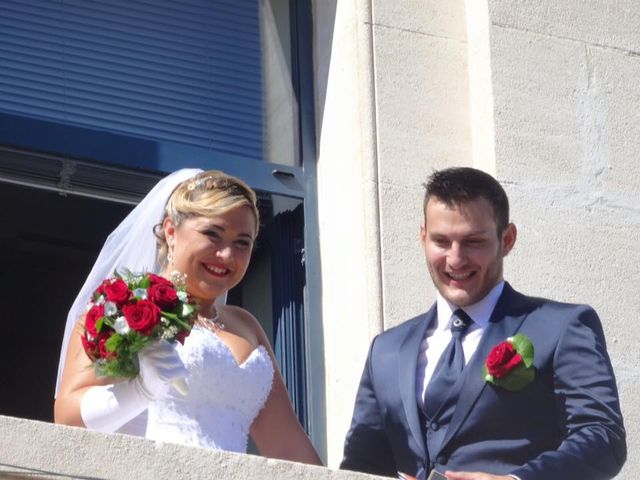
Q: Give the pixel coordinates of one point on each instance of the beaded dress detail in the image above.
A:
(223, 398)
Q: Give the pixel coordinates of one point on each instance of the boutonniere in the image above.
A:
(510, 364)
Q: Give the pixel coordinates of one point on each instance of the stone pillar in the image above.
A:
(392, 103)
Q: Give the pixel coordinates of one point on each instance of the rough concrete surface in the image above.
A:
(29, 447)
(422, 103)
(567, 132)
(429, 17)
(612, 23)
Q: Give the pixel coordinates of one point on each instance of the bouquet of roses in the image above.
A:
(129, 311)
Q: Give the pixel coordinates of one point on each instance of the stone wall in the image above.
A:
(30, 449)
(541, 94)
(567, 136)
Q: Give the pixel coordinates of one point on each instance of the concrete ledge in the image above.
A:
(31, 449)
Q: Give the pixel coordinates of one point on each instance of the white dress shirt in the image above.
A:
(438, 335)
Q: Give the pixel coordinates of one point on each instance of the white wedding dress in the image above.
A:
(223, 399)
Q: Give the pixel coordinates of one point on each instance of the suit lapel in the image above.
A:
(407, 363)
(505, 321)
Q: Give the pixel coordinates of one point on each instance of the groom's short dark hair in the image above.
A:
(459, 185)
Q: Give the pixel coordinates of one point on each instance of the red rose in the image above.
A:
(116, 291)
(96, 348)
(142, 316)
(100, 289)
(102, 347)
(158, 280)
(502, 359)
(90, 347)
(163, 296)
(93, 315)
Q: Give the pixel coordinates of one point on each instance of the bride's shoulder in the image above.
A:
(244, 321)
(236, 313)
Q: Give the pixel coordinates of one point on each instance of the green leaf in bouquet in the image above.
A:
(126, 367)
(105, 321)
(183, 325)
(137, 342)
(169, 315)
(114, 342)
(99, 323)
(125, 361)
(177, 319)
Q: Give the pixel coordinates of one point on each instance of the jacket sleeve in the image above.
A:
(366, 447)
(594, 446)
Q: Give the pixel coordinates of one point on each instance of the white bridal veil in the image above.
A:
(131, 245)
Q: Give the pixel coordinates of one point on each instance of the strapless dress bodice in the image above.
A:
(224, 397)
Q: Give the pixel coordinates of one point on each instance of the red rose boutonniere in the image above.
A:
(510, 364)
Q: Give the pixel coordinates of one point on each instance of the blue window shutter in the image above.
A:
(184, 72)
(287, 284)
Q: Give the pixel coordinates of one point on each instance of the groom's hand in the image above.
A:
(475, 476)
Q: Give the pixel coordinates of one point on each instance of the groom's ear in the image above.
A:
(423, 234)
(509, 238)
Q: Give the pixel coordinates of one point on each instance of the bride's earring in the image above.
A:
(170, 255)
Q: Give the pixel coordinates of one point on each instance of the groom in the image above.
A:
(424, 402)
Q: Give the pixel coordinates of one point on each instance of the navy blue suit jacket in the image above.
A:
(565, 425)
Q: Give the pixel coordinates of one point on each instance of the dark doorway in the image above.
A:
(48, 243)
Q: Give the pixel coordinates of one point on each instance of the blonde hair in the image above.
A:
(207, 194)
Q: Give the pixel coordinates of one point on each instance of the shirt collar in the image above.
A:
(479, 312)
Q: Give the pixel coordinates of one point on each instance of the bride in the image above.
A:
(208, 225)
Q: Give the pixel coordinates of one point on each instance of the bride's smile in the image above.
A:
(216, 270)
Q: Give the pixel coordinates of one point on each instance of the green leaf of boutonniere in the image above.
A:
(524, 347)
(510, 364)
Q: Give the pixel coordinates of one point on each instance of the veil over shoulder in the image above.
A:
(131, 245)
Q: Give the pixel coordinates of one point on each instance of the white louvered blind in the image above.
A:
(187, 72)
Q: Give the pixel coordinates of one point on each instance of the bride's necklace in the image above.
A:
(212, 323)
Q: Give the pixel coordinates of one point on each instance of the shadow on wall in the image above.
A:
(324, 15)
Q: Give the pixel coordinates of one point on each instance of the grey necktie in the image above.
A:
(449, 367)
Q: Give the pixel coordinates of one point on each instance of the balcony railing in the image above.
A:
(32, 449)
